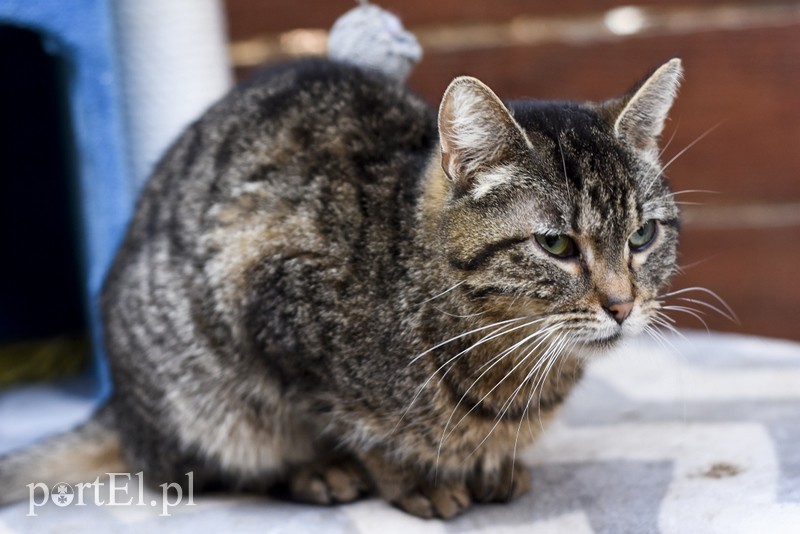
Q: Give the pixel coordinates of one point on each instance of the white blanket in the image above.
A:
(701, 436)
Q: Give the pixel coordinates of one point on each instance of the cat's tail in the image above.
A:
(80, 455)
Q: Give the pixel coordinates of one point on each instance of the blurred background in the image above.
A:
(741, 95)
(103, 87)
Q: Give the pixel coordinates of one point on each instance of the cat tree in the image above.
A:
(133, 74)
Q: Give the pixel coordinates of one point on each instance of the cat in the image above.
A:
(328, 292)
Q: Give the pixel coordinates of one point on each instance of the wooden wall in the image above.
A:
(742, 92)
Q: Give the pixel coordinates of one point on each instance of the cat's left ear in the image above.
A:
(640, 116)
(477, 133)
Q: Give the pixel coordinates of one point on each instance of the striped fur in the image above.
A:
(317, 277)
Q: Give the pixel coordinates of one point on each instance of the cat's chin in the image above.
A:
(599, 346)
(607, 342)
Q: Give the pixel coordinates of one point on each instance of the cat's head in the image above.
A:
(560, 210)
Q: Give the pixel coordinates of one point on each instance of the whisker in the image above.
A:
(561, 366)
(560, 347)
(660, 320)
(670, 328)
(443, 343)
(683, 268)
(690, 145)
(564, 166)
(711, 307)
(650, 331)
(515, 346)
(676, 156)
(507, 351)
(508, 403)
(446, 291)
(459, 316)
(541, 362)
(497, 360)
(513, 301)
(526, 412)
(496, 356)
(491, 335)
(653, 333)
(666, 317)
(702, 290)
(690, 311)
(669, 141)
(545, 363)
(662, 340)
(687, 191)
(505, 407)
(523, 417)
(554, 352)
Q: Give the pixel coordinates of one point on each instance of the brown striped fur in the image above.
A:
(278, 315)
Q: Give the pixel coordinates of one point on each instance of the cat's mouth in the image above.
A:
(605, 342)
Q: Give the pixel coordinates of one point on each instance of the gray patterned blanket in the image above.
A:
(698, 435)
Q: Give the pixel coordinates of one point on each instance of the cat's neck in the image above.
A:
(435, 190)
(431, 274)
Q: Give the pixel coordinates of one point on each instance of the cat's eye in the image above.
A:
(560, 246)
(643, 237)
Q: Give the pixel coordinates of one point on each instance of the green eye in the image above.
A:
(560, 246)
(641, 238)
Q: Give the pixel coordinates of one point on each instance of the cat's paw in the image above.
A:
(443, 501)
(333, 483)
(500, 485)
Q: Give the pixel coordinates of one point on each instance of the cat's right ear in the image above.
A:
(640, 116)
(476, 131)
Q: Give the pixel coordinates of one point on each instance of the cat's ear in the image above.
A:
(640, 115)
(476, 131)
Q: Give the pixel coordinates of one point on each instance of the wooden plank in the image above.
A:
(746, 82)
(755, 271)
(248, 18)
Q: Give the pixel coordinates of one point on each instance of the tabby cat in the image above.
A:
(326, 293)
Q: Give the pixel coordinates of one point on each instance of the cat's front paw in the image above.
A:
(328, 483)
(499, 485)
(444, 500)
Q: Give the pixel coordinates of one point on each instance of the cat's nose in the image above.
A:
(619, 311)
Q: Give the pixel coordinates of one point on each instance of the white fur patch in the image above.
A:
(473, 130)
(232, 436)
(487, 181)
(474, 125)
(652, 210)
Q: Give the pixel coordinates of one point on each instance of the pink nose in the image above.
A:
(619, 311)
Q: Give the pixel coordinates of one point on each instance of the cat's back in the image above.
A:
(297, 136)
(308, 160)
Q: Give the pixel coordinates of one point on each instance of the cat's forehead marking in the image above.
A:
(605, 209)
(486, 181)
(589, 176)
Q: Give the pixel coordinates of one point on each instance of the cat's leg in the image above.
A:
(447, 495)
(415, 492)
(491, 483)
